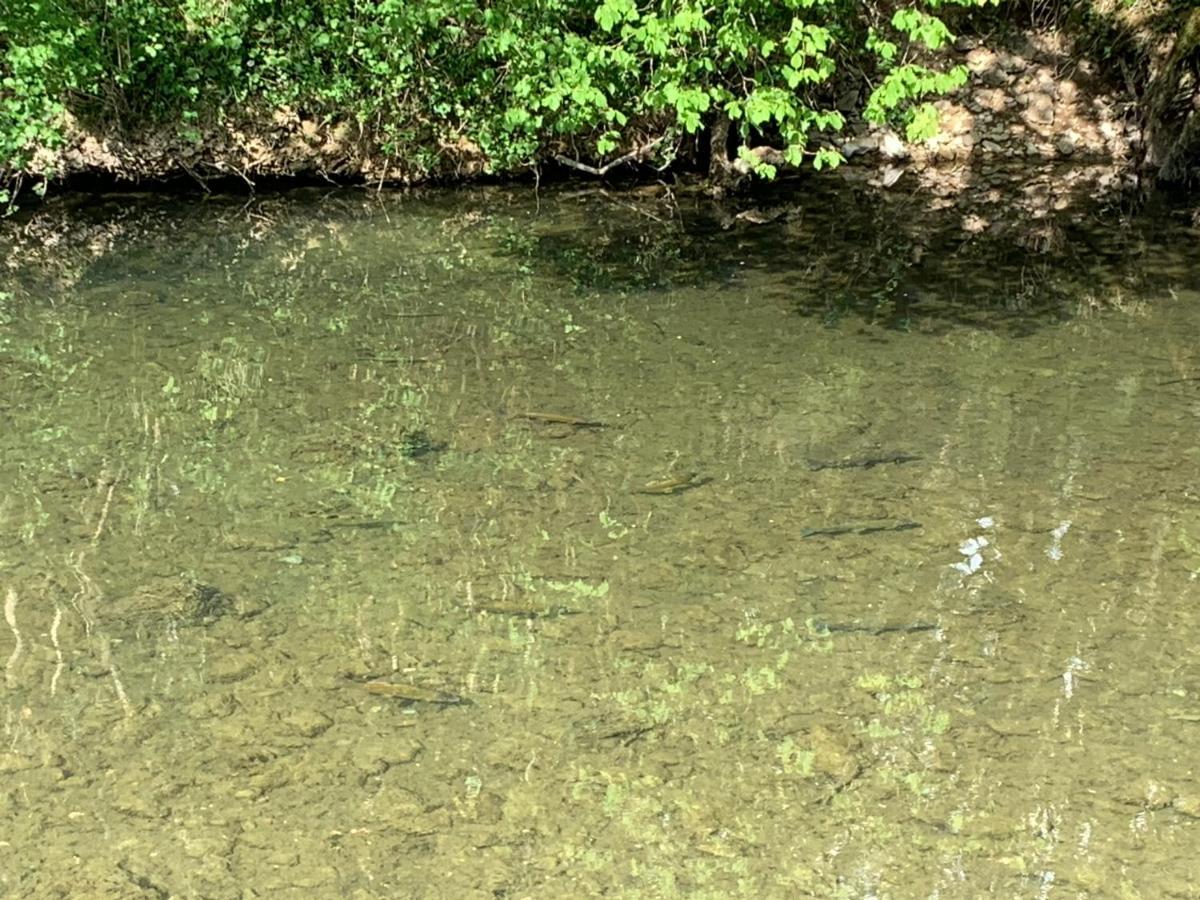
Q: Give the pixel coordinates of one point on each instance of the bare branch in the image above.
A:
(635, 155)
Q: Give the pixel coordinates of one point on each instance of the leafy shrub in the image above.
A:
(518, 78)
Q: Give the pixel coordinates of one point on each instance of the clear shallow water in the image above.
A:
(257, 458)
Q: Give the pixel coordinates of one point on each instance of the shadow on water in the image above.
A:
(478, 544)
(834, 254)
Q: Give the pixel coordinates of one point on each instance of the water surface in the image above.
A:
(868, 571)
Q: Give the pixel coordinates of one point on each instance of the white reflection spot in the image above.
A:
(1054, 551)
(1074, 664)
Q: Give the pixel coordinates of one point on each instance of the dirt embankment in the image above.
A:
(1035, 131)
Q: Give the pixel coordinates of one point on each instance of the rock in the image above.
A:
(891, 146)
(1065, 145)
(993, 99)
(374, 756)
(847, 101)
(956, 120)
(15, 762)
(858, 146)
(952, 150)
(834, 756)
(995, 77)
(1026, 84)
(990, 146)
(974, 224)
(1148, 793)
(889, 175)
(1187, 805)
(140, 806)
(212, 705)
(233, 666)
(308, 722)
(1011, 62)
(980, 59)
(1039, 109)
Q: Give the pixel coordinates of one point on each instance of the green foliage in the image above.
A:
(516, 78)
(37, 74)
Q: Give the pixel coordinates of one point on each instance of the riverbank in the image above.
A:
(1037, 111)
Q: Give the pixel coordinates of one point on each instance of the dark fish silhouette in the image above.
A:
(861, 462)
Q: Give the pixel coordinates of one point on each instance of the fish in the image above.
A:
(872, 630)
(861, 462)
(413, 693)
(673, 485)
(557, 419)
(858, 528)
(522, 608)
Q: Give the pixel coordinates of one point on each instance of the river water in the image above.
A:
(510, 544)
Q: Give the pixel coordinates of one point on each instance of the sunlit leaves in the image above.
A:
(690, 18)
(689, 104)
(826, 157)
(921, 28)
(754, 163)
(907, 83)
(611, 13)
(923, 123)
(518, 79)
(883, 48)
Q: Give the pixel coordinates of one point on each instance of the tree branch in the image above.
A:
(637, 154)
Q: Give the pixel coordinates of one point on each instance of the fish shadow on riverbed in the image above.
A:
(858, 528)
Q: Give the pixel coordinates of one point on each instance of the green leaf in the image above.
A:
(612, 13)
(923, 124)
(827, 157)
